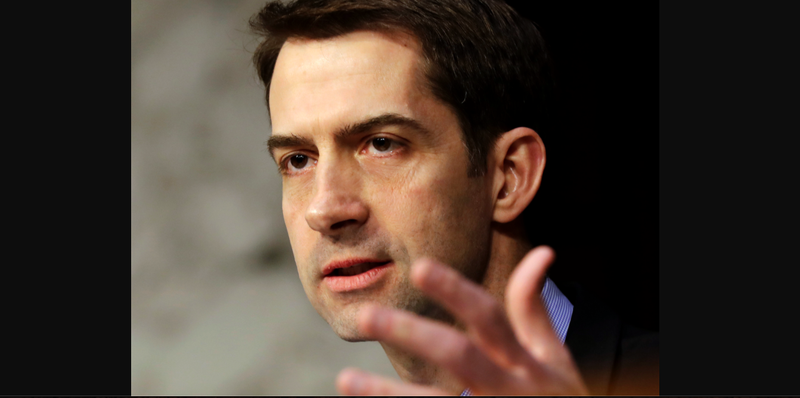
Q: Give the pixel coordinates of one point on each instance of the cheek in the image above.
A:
(297, 194)
(402, 193)
(293, 206)
(423, 207)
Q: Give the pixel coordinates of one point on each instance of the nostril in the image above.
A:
(342, 224)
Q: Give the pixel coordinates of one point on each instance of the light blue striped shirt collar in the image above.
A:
(559, 310)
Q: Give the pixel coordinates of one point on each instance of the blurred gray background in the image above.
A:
(216, 304)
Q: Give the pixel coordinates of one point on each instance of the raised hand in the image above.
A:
(511, 351)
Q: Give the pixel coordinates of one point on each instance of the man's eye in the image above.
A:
(297, 162)
(382, 144)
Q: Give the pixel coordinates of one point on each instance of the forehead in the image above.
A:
(349, 76)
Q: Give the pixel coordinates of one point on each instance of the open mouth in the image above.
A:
(356, 269)
(355, 274)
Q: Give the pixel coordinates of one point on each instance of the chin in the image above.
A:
(348, 331)
(354, 339)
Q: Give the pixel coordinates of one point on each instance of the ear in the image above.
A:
(517, 163)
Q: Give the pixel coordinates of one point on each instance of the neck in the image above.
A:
(508, 247)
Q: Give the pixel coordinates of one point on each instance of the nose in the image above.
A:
(336, 203)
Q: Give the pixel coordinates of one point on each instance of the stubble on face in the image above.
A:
(340, 310)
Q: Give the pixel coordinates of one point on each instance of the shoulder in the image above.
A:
(613, 357)
(636, 366)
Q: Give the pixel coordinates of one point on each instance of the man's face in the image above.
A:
(374, 175)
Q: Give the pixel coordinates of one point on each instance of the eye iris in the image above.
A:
(298, 161)
(381, 144)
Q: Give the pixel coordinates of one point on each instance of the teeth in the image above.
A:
(357, 269)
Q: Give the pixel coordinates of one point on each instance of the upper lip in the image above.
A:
(348, 262)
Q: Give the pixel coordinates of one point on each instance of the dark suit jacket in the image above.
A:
(613, 358)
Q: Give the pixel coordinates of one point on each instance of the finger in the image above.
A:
(355, 382)
(437, 343)
(525, 308)
(482, 314)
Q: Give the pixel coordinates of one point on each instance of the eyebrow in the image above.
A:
(387, 119)
(285, 141)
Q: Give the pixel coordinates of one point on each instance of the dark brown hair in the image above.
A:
(479, 56)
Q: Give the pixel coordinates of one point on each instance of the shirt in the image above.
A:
(559, 310)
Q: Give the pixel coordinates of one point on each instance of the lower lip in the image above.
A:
(341, 284)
